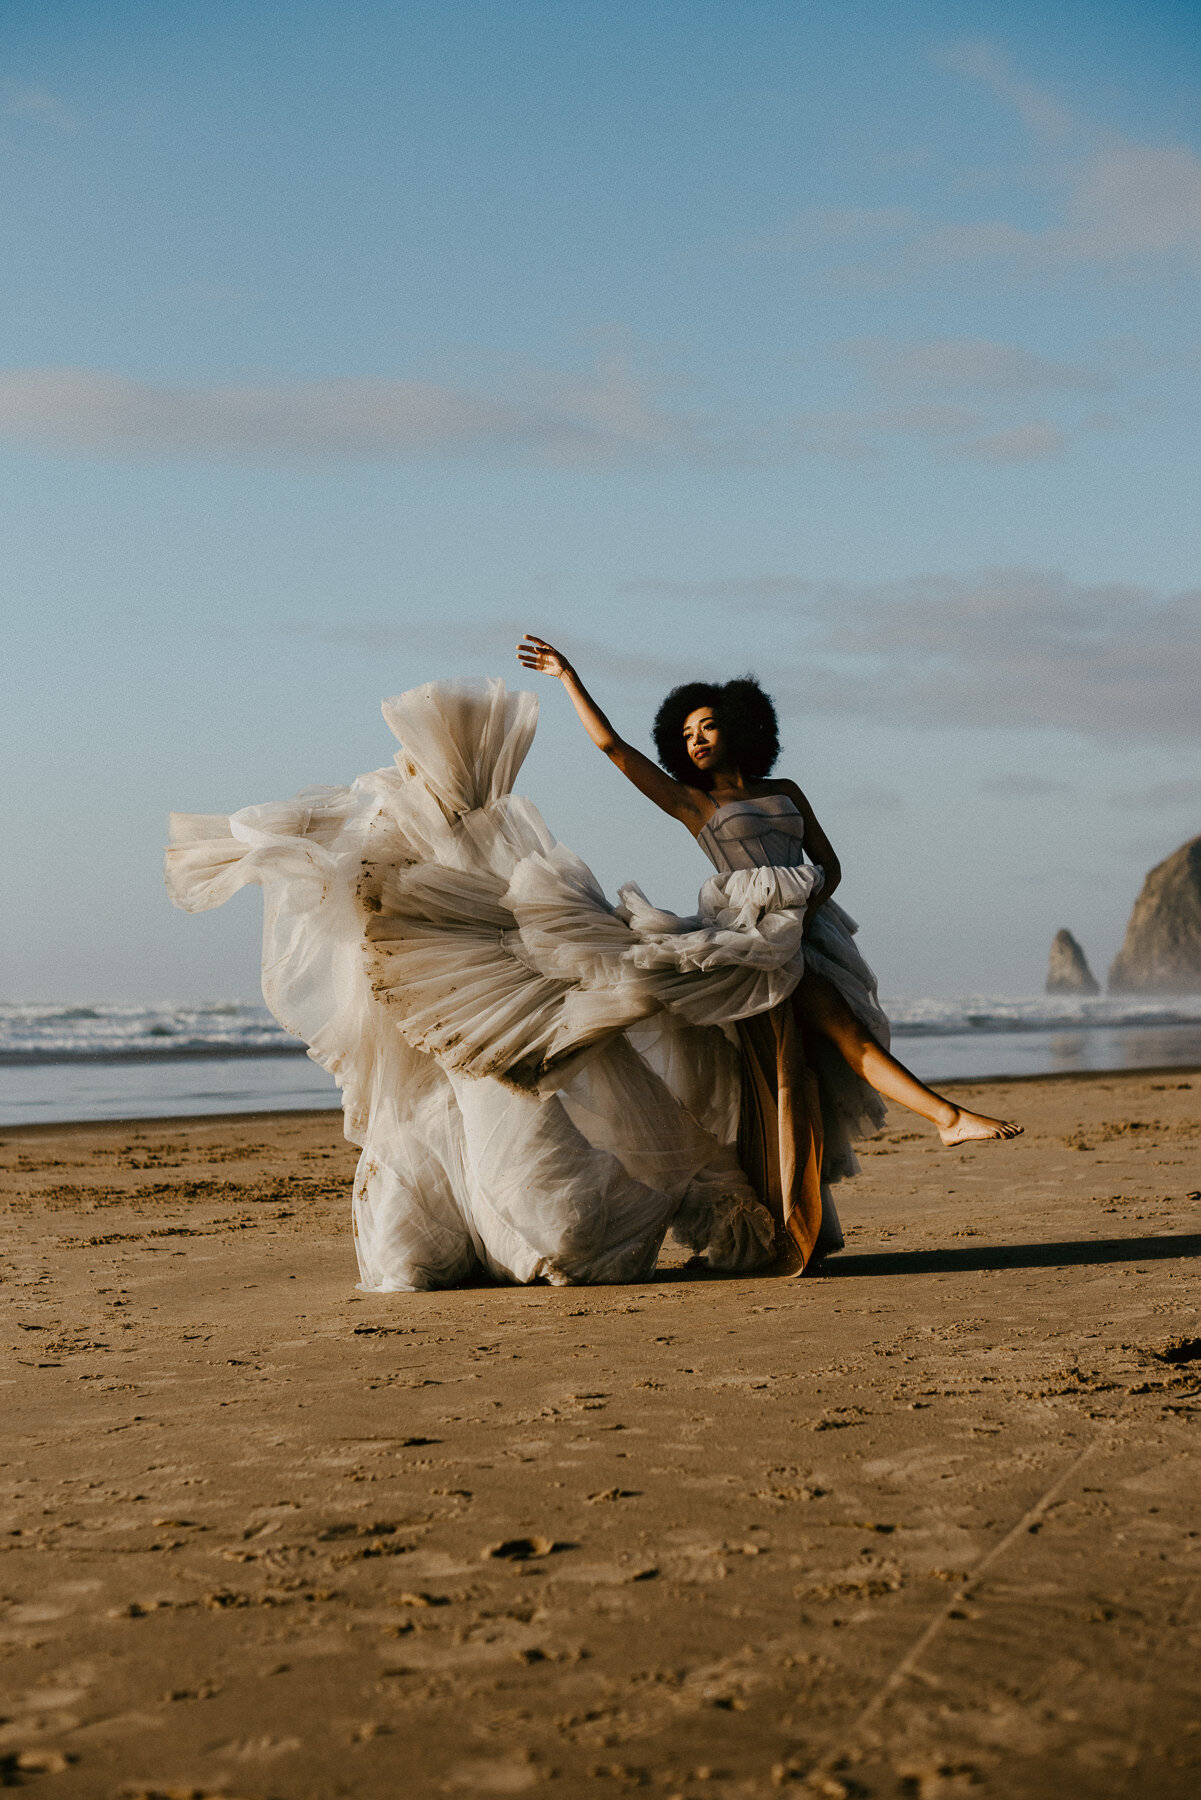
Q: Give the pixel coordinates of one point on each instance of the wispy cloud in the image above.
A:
(820, 226)
(851, 434)
(38, 105)
(1006, 649)
(966, 398)
(1037, 440)
(980, 59)
(1000, 380)
(490, 643)
(1020, 786)
(605, 415)
(1109, 202)
(1162, 795)
(971, 365)
(868, 797)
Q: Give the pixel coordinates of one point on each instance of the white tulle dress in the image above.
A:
(541, 1084)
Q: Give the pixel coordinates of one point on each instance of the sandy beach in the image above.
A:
(925, 1526)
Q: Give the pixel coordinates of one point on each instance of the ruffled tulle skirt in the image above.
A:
(542, 1084)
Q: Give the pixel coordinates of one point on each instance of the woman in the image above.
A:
(542, 1084)
(718, 745)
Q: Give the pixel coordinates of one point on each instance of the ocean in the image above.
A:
(83, 1062)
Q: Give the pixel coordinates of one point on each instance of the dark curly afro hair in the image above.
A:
(747, 719)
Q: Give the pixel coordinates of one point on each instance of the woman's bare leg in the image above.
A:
(821, 1006)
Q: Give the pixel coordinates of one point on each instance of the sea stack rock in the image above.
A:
(1162, 951)
(1068, 971)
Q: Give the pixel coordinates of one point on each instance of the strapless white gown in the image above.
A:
(541, 1084)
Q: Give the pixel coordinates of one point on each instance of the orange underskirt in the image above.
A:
(780, 1127)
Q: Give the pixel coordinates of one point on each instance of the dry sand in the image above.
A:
(924, 1526)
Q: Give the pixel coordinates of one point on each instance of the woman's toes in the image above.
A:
(972, 1127)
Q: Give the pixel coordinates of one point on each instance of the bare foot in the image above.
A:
(970, 1126)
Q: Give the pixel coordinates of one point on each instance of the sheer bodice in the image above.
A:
(754, 834)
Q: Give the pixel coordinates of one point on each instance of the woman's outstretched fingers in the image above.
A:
(535, 653)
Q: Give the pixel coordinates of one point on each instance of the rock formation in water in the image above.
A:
(1162, 950)
(1068, 971)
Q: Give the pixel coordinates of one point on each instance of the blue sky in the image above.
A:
(852, 344)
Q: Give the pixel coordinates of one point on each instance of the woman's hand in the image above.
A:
(536, 653)
(684, 803)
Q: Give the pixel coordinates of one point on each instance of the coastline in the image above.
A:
(215, 1081)
(315, 1114)
(54, 1059)
(64, 1062)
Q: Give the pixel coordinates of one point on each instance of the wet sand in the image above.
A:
(923, 1527)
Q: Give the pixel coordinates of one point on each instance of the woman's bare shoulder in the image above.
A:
(778, 784)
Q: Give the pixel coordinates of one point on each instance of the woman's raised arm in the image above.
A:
(687, 804)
